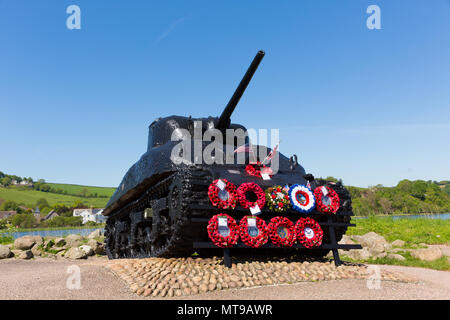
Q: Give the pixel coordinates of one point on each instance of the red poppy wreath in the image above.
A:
(327, 200)
(255, 169)
(253, 232)
(308, 232)
(282, 232)
(223, 230)
(250, 194)
(225, 198)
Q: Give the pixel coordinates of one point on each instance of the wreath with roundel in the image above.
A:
(327, 200)
(253, 235)
(223, 236)
(225, 198)
(250, 194)
(255, 169)
(308, 232)
(282, 232)
(302, 198)
(277, 199)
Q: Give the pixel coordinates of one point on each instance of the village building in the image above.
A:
(6, 214)
(94, 215)
(37, 215)
(23, 183)
(24, 208)
(52, 214)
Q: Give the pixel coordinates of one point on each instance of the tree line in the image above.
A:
(407, 197)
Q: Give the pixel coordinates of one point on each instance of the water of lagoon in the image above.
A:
(54, 233)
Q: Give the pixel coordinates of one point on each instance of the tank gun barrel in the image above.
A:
(224, 120)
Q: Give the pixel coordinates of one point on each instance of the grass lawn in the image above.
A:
(439, 264)
(29, 198)
(412, 231)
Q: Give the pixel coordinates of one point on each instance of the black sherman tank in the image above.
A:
(161, 207)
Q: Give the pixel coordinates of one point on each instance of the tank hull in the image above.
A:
(167, 216)
(161, 207)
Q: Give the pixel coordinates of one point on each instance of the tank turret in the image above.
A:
(162, 129)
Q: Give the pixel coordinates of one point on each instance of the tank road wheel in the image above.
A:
(115, 238)
(181, 194)
(157, 224)
(109, 238)
(160, 234)
(170, 232)
(121, 239)
(128, 234)
(137, 240)
(143, 237)
(146, 240)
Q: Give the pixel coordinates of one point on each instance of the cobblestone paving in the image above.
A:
(159, 277)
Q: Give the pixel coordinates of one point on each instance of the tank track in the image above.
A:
(158, 224)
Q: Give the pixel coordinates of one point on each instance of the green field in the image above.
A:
(412, 231)
(29, 197)
(74, 189)
(415, 233)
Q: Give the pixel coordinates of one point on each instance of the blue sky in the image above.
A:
(367, 106)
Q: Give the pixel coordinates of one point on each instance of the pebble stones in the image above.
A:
(175, 277)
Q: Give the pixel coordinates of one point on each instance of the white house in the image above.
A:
(22, 183)
(90, 215)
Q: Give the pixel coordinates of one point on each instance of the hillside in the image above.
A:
(16, 191)
(29, 197)
(77, 190)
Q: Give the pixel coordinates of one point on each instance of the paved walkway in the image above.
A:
(48, 279)
(432, 284)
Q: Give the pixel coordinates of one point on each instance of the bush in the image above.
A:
(6, 233)
(63, 222)
(92, 224)
(3, 224)
(12, 206)
(42, 203)
(4, 239)
(45, 210)
(23, 220)
(6, 181)
(412, 197)
(78, 204)
(45, 188)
